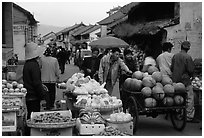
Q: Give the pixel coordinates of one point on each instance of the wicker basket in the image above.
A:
(50, 125)
(103, 109)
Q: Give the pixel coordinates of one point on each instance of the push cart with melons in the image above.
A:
(152, 94)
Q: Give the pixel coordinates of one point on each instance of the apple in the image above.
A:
(5, 90)
(4, 82)
(23, 90)
(9, 85)
(11, 90)
(20, 86)
(17, 90)
(15, 84)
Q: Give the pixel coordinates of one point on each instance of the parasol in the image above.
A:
(108, 42)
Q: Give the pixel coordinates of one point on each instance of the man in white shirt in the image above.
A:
(164, 60)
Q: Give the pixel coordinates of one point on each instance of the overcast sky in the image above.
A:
(68, 13)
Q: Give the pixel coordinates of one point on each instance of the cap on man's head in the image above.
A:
(186, 45)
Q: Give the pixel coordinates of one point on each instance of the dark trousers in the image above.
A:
(62, 66)
(50, 96)
(32, 106)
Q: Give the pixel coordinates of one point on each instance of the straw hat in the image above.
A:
(32, 50)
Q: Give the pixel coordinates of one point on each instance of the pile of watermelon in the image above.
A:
(157, 89)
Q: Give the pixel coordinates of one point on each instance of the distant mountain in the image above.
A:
(44, 29)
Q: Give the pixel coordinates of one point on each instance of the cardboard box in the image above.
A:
(89, 129)
(123, 127)
(52, 132)
(9, 122)
(62, 112)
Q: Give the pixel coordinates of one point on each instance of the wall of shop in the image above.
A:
(190, 28)
(7, 28)
(93, 35)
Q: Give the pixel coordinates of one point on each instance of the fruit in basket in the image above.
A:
(23, 90)
(150, 102)
(166, 80)
(136, 85)
(146, 91)
(152, 69)
(158, 93)
(157, 76)
(138, 75)
(169, 90)
(178, 100)
(17, 90)
(9, 85)
(4, 82)
(20, 86)
(11, 90)
(5, 90)
(168, 101)
(15, 84)
(148, 81)
(179, 87)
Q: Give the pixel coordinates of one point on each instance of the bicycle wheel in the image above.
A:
(178, 118)
(133, 110)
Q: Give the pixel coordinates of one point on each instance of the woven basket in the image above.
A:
(103, 109)
(118, 122)
(50, 125)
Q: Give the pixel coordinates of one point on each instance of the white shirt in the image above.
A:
(164, 61)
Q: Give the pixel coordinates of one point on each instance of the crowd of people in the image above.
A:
(42, 72)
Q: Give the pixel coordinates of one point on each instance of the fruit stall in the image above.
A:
(197, 88)
(152, 94)
(13, 108)
(97, 112)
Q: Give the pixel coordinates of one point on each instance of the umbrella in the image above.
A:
(108, 42)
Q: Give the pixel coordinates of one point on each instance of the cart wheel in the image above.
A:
(133, 110)
(178, 118)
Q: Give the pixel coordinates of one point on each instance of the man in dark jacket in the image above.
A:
(32, 80)
(182, 70)
(90, 65)
(61, 56)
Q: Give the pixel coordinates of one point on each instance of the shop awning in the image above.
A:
(145, 28)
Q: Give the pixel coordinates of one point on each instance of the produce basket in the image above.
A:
(50, 125)
(118, 122)
(102, 109)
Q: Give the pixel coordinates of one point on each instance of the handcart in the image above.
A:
(137, 107)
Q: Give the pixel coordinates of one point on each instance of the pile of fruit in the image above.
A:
(156, 88)
(79, 84)
(91, 117)
(120, 117)
(12, 88)
(197, 83)
(111, 131)
(55, 117)
(11, 102)
(98, 101)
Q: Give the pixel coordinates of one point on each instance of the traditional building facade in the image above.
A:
(18, 28)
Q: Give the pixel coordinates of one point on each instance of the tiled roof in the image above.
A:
(27, 13)
(122, 12)
(95, 27)
(80, 31)
(69, 28)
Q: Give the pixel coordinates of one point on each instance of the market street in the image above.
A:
(148, 126)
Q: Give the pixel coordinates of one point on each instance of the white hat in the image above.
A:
(32, 50)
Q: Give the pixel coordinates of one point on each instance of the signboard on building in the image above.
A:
(19, 28)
